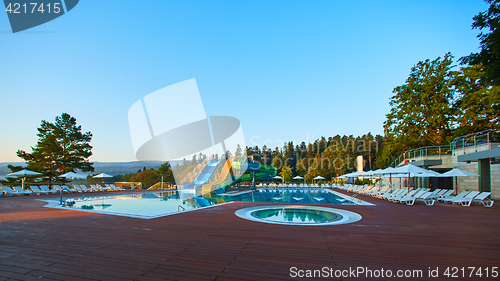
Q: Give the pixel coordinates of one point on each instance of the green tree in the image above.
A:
(286, 174)
(421, 109)
(489, 42)
(165, 170)
(61, 148)
(477, 104)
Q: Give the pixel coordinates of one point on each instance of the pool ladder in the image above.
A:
(354, 197)
(180, 207)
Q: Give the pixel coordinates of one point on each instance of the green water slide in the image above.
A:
(262, 172)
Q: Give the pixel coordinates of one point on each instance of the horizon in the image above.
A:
(291, 72)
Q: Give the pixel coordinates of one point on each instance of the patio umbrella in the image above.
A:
(299, 178)
(456, 172)
(278, 178)
(23, 174)
(71, 175)
(409, 169)
(319, 178)
(102, 176)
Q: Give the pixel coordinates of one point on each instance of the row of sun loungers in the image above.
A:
(422, 195)
(293, 185)
(43, 189)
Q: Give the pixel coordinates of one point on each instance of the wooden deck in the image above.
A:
(38, 243)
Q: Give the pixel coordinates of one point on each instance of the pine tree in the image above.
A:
(61, 148)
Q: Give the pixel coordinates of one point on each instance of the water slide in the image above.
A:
(224, 179)
(263, 172)
(224, 174)
(204, 175)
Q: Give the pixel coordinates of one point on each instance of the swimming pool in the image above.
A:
(308, 215)
(157, 204)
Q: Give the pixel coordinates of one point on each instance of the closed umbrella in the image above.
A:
(23, 174)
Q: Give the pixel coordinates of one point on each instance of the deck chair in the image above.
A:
(37, 190)
(119, 188)
(454, 199)
(409, 199)
(84, 188)
(467, 199)
(21, 190)
(483, 198)
(10, 191)
(426, 198)
(47, 189)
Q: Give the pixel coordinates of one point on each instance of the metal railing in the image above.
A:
(422, 152)
(485, 137)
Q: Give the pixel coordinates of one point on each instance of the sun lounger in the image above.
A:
(47, 189)
(71, 188)
(409, 199)
(467, 199)
(37, 190)
(426, 198)
(21, 190)
(9, 191)
(446, 194)
(484, 199)
(84, 188)
(119, 188)
(403, 195)
(451, 199)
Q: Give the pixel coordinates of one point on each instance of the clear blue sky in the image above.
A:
(288, 70)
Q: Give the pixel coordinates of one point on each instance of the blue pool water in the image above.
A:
(157, 204)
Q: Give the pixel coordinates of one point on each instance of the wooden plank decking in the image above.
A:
(38, 243)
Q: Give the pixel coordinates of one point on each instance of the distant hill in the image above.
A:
(112, 168)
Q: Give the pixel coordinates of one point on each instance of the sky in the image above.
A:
(288, 70)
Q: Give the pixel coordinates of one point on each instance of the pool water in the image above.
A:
(302, 196)
(157, 204)
(296, 215)
(306, 215)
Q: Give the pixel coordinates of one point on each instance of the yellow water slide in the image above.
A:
(209, 187)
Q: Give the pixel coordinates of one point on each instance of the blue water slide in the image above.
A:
(204, 175)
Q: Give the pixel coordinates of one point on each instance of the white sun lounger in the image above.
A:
(467, 199)
(84, 188)
(409, 199)
(21, 190)
(452, 199)
(484, 199)
(47, 189)
(37, 190)
(10, 191)
(426, 198)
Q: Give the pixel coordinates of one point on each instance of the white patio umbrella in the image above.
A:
(319, 178)
(456, 172)
(278, 178)
(410, 170)
(23, 174)
(298, 178)
(102, 176)
(72, 175)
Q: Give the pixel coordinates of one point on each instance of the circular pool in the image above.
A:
(298, 215)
